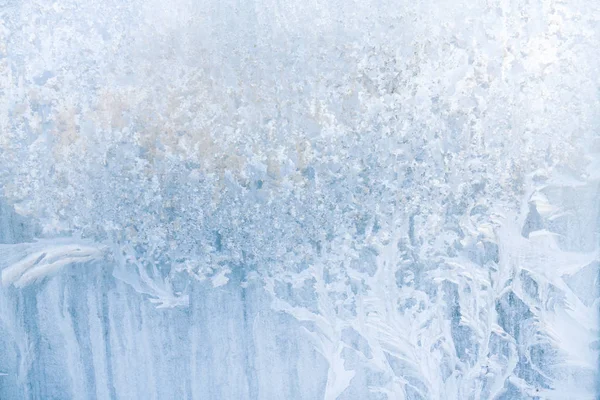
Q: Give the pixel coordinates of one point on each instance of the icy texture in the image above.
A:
(299, 200)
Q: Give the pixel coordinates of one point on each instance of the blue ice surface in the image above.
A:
(86, 335)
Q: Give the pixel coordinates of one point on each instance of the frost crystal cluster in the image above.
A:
(230, 200)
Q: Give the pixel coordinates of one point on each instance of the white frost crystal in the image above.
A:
(299, 200)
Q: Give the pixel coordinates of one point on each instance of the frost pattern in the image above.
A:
(352, 200)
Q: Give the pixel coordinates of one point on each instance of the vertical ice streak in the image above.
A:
(332, 200)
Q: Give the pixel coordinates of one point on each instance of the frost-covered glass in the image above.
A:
(285, 200)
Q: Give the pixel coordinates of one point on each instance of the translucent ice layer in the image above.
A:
(229, 200)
